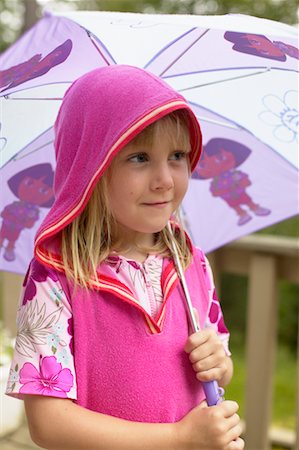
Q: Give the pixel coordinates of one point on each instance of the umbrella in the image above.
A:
(239, 74)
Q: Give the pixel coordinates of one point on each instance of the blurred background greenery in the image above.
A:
(18, 15)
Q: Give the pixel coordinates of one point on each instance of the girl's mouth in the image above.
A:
(157, 204)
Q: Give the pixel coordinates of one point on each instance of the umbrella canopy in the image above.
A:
(239, 74)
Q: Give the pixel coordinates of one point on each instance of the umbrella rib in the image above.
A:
(181, 54)
(16, 158)
(227, 79)
(92, 37)
(7, 97)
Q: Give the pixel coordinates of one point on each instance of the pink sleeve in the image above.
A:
(215, 317)
(43, 362)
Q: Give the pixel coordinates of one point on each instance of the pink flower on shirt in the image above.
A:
(50, 380)
(215, 315)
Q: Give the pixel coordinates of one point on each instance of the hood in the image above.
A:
(101, 112)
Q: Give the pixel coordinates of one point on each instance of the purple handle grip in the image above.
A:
(213, 393)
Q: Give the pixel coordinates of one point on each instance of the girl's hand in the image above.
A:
(208, 356)
(211, 428)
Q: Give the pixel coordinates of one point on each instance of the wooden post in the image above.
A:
(10, 293)
(261, 336)
(296, 447)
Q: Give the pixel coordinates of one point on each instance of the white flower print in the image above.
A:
(53, 340)
(63, 356)
(282, 115)
(34, 326)
(58, 328)
(56, 295)
(13, 378)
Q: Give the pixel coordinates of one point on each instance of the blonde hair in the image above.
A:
(89, 239)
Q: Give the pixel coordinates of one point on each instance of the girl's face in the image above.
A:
(34, 191)
(145, 186)
(212, 166)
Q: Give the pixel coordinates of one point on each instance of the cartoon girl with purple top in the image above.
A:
(260, 45)
(218, 162)
(33, 188)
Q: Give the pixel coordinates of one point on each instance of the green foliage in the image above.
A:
(284, 383)
(288, 314)
(234, 305)
(288, 227)
(283, 10)
(13, 12)
(10, 22)
(233, 301)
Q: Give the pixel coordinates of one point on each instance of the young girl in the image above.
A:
(103, 359)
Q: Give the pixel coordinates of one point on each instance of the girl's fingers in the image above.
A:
(236, 444)
(229, 408)
(210, 375)
(204, 349)
(234, 430)
(207, 349)
(201, 337)
(195, 340)
(233, 422)
(209, 362)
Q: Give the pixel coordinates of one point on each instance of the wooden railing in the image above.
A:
(265, 260)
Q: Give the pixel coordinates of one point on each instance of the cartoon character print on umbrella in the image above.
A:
(33, 188)
(260, 45)
(34, 67)
(218, 162)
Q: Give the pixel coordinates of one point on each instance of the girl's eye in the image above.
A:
(177, 156)
(139, 158)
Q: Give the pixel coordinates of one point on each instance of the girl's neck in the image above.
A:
(135, 254)
(135, 246)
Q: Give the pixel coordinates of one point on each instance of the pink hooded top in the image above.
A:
(127, 363)
(101, 112)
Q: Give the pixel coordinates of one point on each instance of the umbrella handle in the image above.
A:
(214, 394)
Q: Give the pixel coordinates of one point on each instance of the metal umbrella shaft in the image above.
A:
(211, 389)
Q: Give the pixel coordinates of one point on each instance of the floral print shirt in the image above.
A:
(43, 362)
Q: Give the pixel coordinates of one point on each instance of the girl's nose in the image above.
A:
(162, 178)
